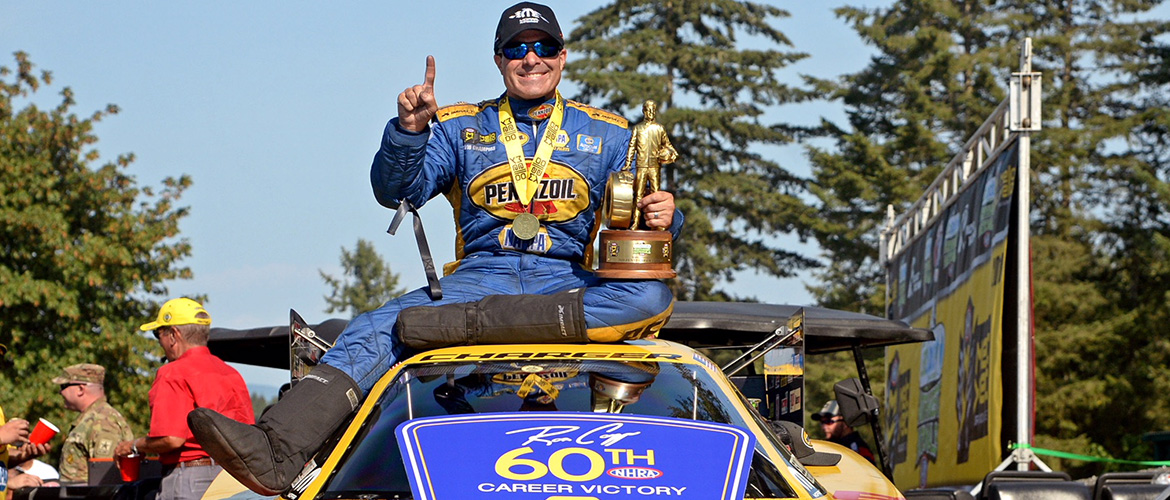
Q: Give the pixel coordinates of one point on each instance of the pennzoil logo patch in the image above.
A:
(541, 112)
(563, 194)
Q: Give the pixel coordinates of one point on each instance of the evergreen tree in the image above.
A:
(938, 73)
(932, 82)
(85, 253)
(1099, 192)
(712, 94)
(1100, 230)
(367, 282)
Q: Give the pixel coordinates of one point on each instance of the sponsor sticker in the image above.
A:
(530, 455)
(473, 140)
(541, 112)
(505, 355)
(588, 144)
(542, 243)
(560, 196)
(562, 141)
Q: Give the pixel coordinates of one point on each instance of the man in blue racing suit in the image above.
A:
(525, 174)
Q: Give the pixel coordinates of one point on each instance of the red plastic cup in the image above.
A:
(43, 432)
(128, 466)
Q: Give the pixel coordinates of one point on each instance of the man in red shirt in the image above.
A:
(193, 378)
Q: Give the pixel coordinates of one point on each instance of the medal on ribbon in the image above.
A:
(526, 176)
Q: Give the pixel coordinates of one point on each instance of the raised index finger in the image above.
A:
(429, 78)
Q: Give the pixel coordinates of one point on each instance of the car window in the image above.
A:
(373, 466)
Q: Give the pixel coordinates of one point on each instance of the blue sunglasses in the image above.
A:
(547, 48)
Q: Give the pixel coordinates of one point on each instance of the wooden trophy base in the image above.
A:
(635, 254)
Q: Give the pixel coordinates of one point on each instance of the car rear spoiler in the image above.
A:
(741, 324)
(698, 324)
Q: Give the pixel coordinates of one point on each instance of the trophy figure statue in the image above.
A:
(629, 249)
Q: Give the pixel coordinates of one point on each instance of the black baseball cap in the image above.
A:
(794, 436)
(526, 16)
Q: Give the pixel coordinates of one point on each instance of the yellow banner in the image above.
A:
(944, 399)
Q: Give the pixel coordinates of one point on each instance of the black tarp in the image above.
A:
(698, 324)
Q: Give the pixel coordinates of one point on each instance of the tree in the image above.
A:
(85, 252)
(1099, 178)
(366, 284)
(261, 403)
(1100, 227)
(711, 96)
(934, 80)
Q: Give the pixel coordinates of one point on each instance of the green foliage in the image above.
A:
(712, 95)
(1099, 173)
(937, 75)
(261, 403)
(83, 249)
(367, 282)
(1100, 227)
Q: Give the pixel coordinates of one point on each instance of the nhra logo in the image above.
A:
(634, 473)
(562, 195)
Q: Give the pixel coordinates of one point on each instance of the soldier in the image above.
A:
(98, 429)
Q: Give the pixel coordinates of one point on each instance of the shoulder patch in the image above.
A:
(456, 110)
(600, 114)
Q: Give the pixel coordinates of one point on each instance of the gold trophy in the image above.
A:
(628, 249)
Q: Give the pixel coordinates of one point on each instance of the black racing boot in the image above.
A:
(266, 457)
(496, 319)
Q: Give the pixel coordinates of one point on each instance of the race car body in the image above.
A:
(627, 420)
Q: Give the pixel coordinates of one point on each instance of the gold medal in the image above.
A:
(525, 226)
(526, 176)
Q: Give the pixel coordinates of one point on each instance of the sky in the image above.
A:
(275, 109)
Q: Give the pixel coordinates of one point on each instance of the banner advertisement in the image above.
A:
(538, 455)
(950, 279)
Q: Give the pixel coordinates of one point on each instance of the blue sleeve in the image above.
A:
(676, 224)
(413, 166)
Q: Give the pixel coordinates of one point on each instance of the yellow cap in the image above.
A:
(179, 311)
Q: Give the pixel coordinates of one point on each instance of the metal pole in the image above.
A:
(874, 418)
(1024, 368)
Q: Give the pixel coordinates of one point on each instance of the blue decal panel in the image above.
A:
(535, 455)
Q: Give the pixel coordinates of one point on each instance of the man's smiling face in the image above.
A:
(532, 76)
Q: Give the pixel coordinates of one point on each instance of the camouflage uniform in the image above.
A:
(94, 434)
